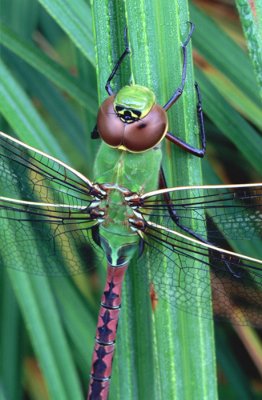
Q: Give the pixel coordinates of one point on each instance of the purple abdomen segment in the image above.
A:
(106, 334)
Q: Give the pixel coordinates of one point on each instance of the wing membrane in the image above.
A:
(182, 269)
(26, 172)
(45, 246)
(189, 233)
(45, 210)
(225, 211)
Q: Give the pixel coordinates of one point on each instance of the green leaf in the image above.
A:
(158, 353)
(237, 381)
(233, 126)
(223, 53)
(165, 353)
(250, 16)
(22, 116)
(10, 349)
(37, 59)
(44, 326)
(236, 98)
(75, 20)
(46, 332)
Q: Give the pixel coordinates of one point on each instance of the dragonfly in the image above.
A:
(130, 213)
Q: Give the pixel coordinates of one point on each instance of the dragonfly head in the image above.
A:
(132, 120)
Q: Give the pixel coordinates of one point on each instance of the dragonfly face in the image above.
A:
(133, 103)
(132, 120)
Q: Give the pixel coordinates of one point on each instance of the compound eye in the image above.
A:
(146, 132)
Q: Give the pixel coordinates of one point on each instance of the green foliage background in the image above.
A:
(51, 51)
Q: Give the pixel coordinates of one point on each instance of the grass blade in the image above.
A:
(46, 66)
(75, 20)
(250, 15)
(156, 338)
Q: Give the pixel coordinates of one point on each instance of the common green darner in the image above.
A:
(125, 214)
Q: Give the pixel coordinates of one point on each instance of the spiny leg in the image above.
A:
(185, 146)
(117, 65)
(95, 133)
(175, 218)
(172, 211)
(180, 89)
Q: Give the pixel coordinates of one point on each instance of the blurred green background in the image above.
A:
(48, 98)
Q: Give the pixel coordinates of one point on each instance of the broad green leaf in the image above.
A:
(233, 126)
(235, 97)
(44, 326)
(53, 71)
(237, 380)
(223, 53)
(22, 116)
(10, 350)
(250, 16)
(151, 345)
(153, 356)
(75, 20)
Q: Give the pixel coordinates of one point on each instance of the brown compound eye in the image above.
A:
(138, 136)
(147, 132)
(109, 125)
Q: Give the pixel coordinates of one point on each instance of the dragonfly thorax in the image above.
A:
(117, 239)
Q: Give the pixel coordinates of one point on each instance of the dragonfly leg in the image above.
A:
(117, 65)
(235, 274)
(172, 211)
(175, 219)
(95, 133)
(141, 246)
(177, 93)
(185, 146)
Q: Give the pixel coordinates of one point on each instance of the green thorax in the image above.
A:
(136, 172)
(137, 99)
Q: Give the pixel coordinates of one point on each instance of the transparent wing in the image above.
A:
(45, 210)
(212, 212)
(182, 267)
(26, 172)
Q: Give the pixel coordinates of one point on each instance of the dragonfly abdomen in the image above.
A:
(106, 333)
